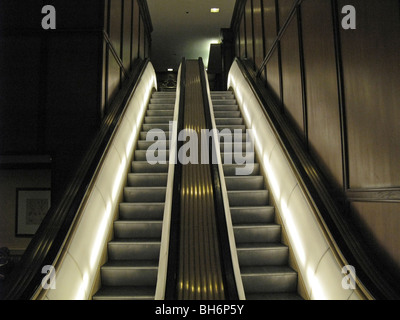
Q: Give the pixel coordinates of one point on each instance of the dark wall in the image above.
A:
(339, 89)
(57, 85)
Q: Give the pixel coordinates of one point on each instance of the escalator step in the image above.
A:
(244, 183)
(148, 194)
(144, 144)
(160, 133)
(145, 167)
(256, 233)
(253, 214)
(238, 157)
(225, 108)
(162, 100)
(161, 126)
(273, 296)
(158, 119)
(221, 102)
(158, 113)
(262, 254)
(130, 273)
(125, 229)
(125, 293)
(141, 211)
(147, 179)
(248, 198)
(128, 249)
(165, 106)
(227, 114)
(228, 121)
(269, 279)
(161, 156)
(230, 169)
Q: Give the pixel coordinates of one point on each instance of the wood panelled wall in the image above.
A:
(57, 85)
(340, 91)
(127, 37)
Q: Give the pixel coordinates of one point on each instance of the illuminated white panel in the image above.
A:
(329, 278)
(68, 281)
(320, 271)
(101, 236)
(77, 270)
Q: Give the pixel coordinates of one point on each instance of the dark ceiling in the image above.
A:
(186, 28)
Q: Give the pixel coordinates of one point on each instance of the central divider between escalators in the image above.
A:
(201, 270)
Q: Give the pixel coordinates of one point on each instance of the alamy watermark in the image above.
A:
(349, 20)
(49, 20)
(349, 280)
(49, 280)
(237, 147)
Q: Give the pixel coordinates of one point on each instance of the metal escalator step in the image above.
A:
(125, 293)
(227, 135)
(227, 114)
(129, 249)
(229, 121)
(162, 156)
(143, 134)
(144, 144)
(164, 93)
(227, 101)
(244, 183)
(221, 93)
(161, 126)
(166, 106)
(253, 214)
(162, 100)
(273, 296)
(158, 119)
(158, 113)
(147, 179)
(230, 169)
(263, 259)
(262, 254)
(145, 167)
(237, 147)
(125, 229)
(132, 268)
(129, 273)
(269, 279)
(231, 127)
(216, 92)
(148, 194)
(216, 100)
(248, 198)
(141, 211)
(256, 233)
(238, 157)
(231, 107)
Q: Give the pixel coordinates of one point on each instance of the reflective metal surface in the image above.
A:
(200, 275)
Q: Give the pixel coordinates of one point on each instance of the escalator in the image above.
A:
(189, 231)
(132, 268)
(133, 254)
(263, 259)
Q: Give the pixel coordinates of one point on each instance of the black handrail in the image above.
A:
(231, 292)
(173, 253)
(45, 246)
(380, 284)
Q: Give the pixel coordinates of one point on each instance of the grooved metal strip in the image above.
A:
(200, 274)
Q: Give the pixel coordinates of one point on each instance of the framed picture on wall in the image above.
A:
(32, 206)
